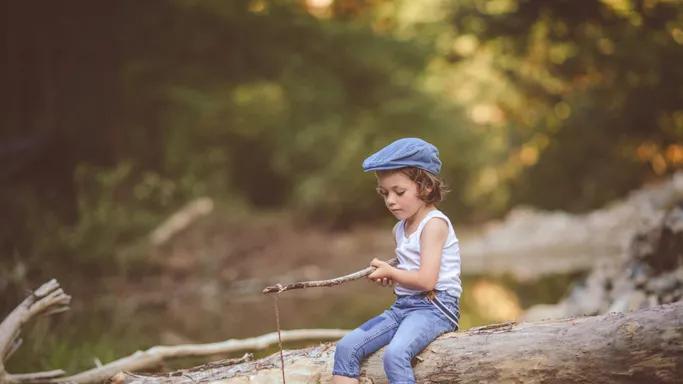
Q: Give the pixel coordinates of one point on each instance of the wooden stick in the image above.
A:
(325, 283)
(47, 299)
(36, 377)
(154, 356)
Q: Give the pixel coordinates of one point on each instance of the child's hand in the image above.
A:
(383, 274)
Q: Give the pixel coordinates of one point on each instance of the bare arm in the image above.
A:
(432, 240)
(386, 281)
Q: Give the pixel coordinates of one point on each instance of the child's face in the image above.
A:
(400, 194)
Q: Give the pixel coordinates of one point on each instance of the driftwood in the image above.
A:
(153, 357)
(46, 300)
(181, 220)
(277, 288)
(50, 299)
(638, 347)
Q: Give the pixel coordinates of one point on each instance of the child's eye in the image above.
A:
(381, 192)
(400, 193)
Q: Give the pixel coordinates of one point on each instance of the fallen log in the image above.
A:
(637, 347)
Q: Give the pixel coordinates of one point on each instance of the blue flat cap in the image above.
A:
(408, 152)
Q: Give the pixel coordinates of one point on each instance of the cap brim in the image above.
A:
(385, 168)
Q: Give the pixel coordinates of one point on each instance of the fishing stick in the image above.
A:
(325, 283)
(279, 288)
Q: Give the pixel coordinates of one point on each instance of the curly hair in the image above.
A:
(430, 188)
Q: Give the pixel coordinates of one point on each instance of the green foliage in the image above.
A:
(276, 105)
(116, 206)
(71, 343)
(604, 96)
(116, 209)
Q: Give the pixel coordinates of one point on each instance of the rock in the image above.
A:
(639, 273)
(585, 300)
(545, 311)
(669, 253)
(530, 243)
(652, 301)
(644, 245)
(665, 282)
(649, 273)
(629, 302)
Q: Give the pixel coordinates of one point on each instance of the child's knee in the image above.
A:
(346, 359)
(345, 349)
(395, 355)
(397, 365)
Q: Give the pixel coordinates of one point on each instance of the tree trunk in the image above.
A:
(638, 347)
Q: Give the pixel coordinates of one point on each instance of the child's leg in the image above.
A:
(358, 344)
(417, 330)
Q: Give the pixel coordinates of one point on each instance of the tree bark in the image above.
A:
(638, 347)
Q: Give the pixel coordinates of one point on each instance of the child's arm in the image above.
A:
(385, 281)
(432, 240)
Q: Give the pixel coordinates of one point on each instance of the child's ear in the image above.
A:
(429, 190)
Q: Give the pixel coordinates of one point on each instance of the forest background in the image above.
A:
(119, 113)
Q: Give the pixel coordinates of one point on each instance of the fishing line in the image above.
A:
(279, 335)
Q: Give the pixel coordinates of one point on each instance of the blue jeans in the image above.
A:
(408, 326)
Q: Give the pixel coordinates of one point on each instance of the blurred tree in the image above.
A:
(276, 103)
(596, 105)
(244, 100)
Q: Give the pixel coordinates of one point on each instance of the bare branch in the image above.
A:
(35, 377)
(16, 343)
(156, 355)
(48, 298)
(181, 220)
(325, 283)
(55, 300)
(46, 288)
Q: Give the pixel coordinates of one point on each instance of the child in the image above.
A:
(427, 277)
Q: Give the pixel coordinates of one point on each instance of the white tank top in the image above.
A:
(408, 254)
